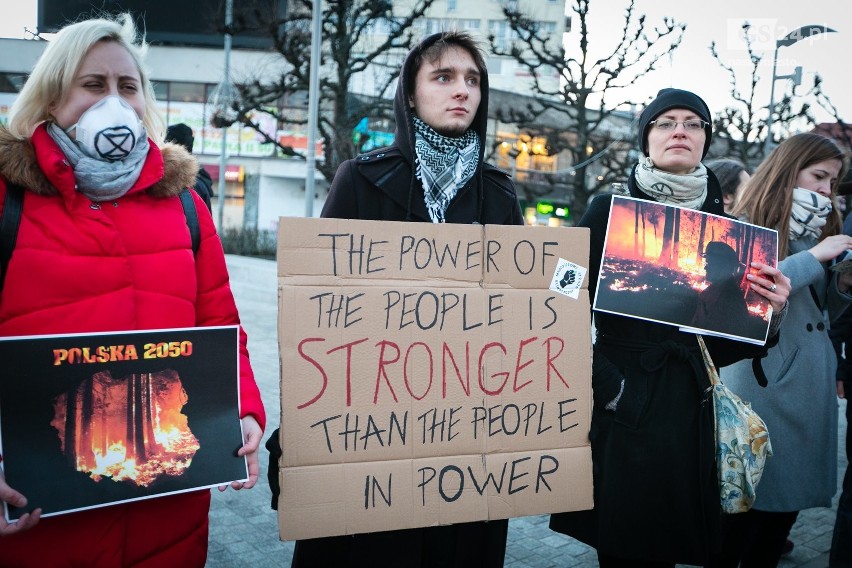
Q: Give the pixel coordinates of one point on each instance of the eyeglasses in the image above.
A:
(691, 125)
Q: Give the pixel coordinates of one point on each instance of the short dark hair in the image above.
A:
(728, 172)
(181, 134)
(431, 49)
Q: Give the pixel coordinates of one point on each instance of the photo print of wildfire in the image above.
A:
(126, 429)
(657, 266)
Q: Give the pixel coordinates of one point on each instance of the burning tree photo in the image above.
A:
(657, 266)
(126, 429)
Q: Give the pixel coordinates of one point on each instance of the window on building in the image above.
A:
(383, 26)
(187, 92)
(546, 27)
(451, 6)
(161, 91)
(503, 33)
(12, 82)
(432, 26)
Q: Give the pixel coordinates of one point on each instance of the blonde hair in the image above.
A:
(767, 199)
(53, 75)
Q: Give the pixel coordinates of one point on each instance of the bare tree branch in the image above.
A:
(350, 46)
(636, 53)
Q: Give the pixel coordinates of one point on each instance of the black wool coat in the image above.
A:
(381, 185)
(654, 466)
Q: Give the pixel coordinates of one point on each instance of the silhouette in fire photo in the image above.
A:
(126, 429)
(722, 306)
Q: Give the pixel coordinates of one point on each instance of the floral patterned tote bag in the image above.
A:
(742, 443)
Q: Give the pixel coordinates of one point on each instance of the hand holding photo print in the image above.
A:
(685, 268)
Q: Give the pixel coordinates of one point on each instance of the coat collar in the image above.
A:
(38, 165)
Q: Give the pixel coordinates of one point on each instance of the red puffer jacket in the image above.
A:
(80, 266)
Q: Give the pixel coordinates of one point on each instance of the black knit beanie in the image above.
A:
(668, 99)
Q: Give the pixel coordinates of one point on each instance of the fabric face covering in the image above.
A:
(809, 213)
(108, 130)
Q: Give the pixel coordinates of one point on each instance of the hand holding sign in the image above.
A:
(15, 499)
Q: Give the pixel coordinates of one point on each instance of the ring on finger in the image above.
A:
(773, 288)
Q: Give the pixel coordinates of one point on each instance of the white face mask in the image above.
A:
(108, 130)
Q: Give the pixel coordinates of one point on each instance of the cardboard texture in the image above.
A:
(430, 374)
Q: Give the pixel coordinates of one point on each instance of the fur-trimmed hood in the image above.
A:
(170, 168)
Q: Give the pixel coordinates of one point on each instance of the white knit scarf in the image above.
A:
(684, 190)
(809, 213)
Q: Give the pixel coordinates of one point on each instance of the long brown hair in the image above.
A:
(767, 198)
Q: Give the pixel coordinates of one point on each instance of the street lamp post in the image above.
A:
(313, 107)
(796, 35)
(223, 157)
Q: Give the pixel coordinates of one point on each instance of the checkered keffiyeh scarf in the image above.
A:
(444, 165)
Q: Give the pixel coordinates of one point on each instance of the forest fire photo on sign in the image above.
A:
(685, 268)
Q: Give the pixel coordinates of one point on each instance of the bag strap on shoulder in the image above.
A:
(191, 215)
(10, 219)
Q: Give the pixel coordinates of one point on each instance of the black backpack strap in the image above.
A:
(10, 219)
(191, 218)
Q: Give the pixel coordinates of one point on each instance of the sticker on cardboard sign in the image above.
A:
(568, 278)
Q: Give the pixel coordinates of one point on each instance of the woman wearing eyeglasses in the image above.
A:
(656, 489)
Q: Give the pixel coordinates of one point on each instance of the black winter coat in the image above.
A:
(381, 185)
(655, 485)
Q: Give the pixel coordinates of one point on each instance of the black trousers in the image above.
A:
(841, 543)
(754, 539)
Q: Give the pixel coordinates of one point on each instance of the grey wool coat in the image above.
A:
(799, 404)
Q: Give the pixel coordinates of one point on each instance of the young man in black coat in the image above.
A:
(434, 173)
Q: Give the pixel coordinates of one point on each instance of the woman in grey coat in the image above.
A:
(792, 192)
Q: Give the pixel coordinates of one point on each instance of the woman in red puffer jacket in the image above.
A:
(103, 246)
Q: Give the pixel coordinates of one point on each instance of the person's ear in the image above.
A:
(410, 101)
(727, 199)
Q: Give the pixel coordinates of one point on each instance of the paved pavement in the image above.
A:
(244, 529)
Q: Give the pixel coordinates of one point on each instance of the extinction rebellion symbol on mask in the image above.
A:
(115, 143)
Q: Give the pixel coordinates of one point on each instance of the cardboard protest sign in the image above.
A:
(685, 268)
(430, 374)
(91, 420)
